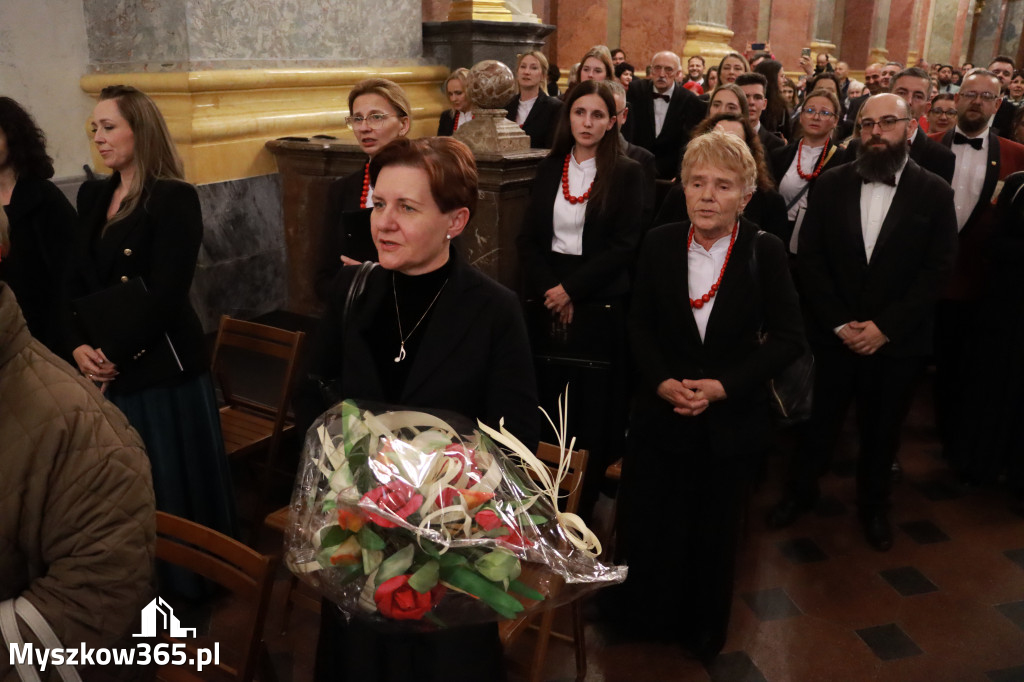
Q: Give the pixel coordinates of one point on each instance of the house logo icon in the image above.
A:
(157, 617)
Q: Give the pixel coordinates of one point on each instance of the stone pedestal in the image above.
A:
(708, 41)
(491, 132)
(458, 44)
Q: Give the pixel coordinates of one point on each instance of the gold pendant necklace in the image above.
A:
(398, 316)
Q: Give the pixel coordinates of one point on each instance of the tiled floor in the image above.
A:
(814, 603)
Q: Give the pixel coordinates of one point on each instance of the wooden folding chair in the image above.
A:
(243, 571)
(250, 426)
(510, 630)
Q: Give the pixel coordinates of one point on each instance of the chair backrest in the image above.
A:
(572, 484)
(264, 340)
(227, 562)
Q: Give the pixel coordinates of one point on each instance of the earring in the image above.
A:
(448, 236)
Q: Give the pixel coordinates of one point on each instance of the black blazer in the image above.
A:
(1002, 122)
(781, 159)
(685, 111)
(666, 343)
(769, 140)
(159, 242)
(542, 120)
(610, 236)
(474, 358)
(649, 166)
(766, 210)
(42, 228)
(912, 258)
(446, 124)
(346, 231)
(926, 152)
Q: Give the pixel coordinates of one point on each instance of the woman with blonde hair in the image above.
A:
(378, 113)
(704, 347)
(131, 328)
(462, 107)
(532, 109)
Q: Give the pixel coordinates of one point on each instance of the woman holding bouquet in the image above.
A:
(427, 331)
(378, 114)
(700, 411)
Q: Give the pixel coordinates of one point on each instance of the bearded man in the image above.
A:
(872, 259)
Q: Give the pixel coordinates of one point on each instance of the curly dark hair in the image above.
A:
(26, 143)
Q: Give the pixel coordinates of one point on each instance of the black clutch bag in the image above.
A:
(110, 320)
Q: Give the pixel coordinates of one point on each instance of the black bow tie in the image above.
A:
(662, 97)
(960, 138)
(891, 180)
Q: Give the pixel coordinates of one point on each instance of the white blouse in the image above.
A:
(524, 110)
(702, 269)
(567, 218)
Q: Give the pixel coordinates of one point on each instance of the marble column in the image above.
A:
(824, 19)
(646, 28)
(792, 29)
(706, 30)
(986, 32)
(898, 35)
(857, 34)
(229, 75)
(879, 32)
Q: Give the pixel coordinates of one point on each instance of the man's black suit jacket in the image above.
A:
(542, 121)
(926, 152)
(649, 166)
(685, 111)
(912, 258)
(769, 141)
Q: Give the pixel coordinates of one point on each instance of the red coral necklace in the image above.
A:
(565, 185)
(817, 168)
(455, 126)
(366, 186)
(699, 302)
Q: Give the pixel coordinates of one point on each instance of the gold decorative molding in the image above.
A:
(817, 47)
(486, 10)
(878, 54)
(710, 42)
(221, 120)
(912, 57)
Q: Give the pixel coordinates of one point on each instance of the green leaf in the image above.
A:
(424, 579)
(466, 580)
(371, 560)
(452, 559)
(525, 590)
(334, 536)
(430, 549)
(347, 574)
(498, 565)
(370, 540)
(396, 564)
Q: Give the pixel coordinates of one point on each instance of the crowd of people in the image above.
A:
(878, 224)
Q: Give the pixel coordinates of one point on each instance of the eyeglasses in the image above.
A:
(375, 121)
(945, 112)
(818, 113)
(986, 96)
(886, 124)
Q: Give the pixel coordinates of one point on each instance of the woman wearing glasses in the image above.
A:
(796, 166)
(942, 114)
(379, 113)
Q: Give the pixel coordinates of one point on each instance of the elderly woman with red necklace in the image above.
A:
(577, 245)
(713, 317)
(796, 166)
(378, 113)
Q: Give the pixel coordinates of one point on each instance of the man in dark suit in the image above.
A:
(872, 259)
(872, 86)
(663, 113)
(638, 154)
(983, 159)
(1003, 66)
(755, 87)
(912, 85)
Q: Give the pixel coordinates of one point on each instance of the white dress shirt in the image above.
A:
(567, 218)
(462, 118)
(875, 201)
(661, 108)
(524, 109)
(792, 183)
(702, 269)
(968, 177)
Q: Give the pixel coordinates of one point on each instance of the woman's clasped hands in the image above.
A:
(95, 365)
(690, 397)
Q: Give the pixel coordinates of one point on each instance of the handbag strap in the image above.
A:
(807, 185)
(356, 289)
(9, 612)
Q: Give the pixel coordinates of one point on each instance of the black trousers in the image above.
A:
(956, 324)
(881, 388)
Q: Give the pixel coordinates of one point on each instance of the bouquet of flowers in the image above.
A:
(398, 517)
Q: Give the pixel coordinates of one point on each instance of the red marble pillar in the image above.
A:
(650, 26)
(857, 33)
(792, 28)
(901, 21)
(743, 20)
(581, 25)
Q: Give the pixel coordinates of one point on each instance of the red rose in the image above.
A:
(396, 600)
(487, 519)
(395, 496)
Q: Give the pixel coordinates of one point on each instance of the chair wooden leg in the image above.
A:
(540, 653)
(579, 639)
(293, 582)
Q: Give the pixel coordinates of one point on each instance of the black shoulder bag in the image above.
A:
(330, 389)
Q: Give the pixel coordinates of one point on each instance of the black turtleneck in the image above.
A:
(415, 294)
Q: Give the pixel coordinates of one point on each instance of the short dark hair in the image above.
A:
(447, 162)
(617, 50)
(752, 78)
(697, 56)
(1004, 59)
(623, 67)
(912, 72)
(943, 96)
(26, 142)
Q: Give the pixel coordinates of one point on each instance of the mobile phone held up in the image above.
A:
(757, 47)
(806, 52)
